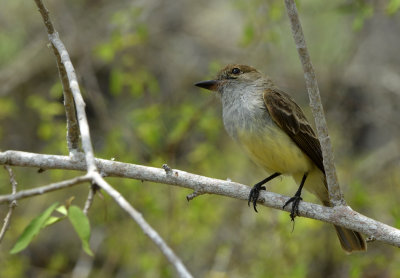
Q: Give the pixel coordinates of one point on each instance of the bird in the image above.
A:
(274, 132)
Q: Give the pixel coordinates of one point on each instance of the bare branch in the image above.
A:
(12, 179)
(72, 100)
(90, 198)
(44, 189)
(13, 204)
(316, 105)
(71, 87)
(79, 103)
(147, 229)
(119, 199)
(73, 95)
(45, 14)
(339, 215)
(59, 49)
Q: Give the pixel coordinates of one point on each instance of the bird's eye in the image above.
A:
(235, 70)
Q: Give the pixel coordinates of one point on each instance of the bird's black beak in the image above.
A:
(211, 85)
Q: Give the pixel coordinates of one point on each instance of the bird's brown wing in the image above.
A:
(290, 118)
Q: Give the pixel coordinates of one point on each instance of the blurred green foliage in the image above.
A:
(137, 63)
(393, 6)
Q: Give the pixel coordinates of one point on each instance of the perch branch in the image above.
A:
(339, 215)
(316, 105)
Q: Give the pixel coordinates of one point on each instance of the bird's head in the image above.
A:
(231, 75)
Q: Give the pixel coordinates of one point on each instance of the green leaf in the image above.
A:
(52, 220)
(80, 222)
(62, 210)
(33, 229)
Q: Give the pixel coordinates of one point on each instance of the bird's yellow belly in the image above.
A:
(274, 150)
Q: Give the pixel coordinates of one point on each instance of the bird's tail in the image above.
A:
(350, 241)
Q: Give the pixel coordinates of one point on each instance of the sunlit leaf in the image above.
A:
(62, 210)
(52, 220)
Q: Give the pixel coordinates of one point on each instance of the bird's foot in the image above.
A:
(254, 193)
(295, 200)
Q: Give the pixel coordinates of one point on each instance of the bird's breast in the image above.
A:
(274, 151)
(247, 120)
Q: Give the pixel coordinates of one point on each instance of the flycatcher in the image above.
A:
(276, 135)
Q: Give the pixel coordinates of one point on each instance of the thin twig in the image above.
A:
(90, 198)
(316, 105)
(44, 189)
(12, 179)
(339, 215)
(193, 195)
(147, 229)
(13, 204)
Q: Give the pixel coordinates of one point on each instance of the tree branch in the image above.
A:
(90, 199)
(44, 189)
(335, 195)
(72, 95)
(147, 229)
(119, 199)
(72, 100)
(339, 215)
(13, 204)
(60, 51)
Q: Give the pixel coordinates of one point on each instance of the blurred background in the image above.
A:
(137, 62)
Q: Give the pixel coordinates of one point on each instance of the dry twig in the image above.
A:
(13, 203)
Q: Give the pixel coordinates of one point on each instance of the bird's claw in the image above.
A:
(295, 206)
(253, 196)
